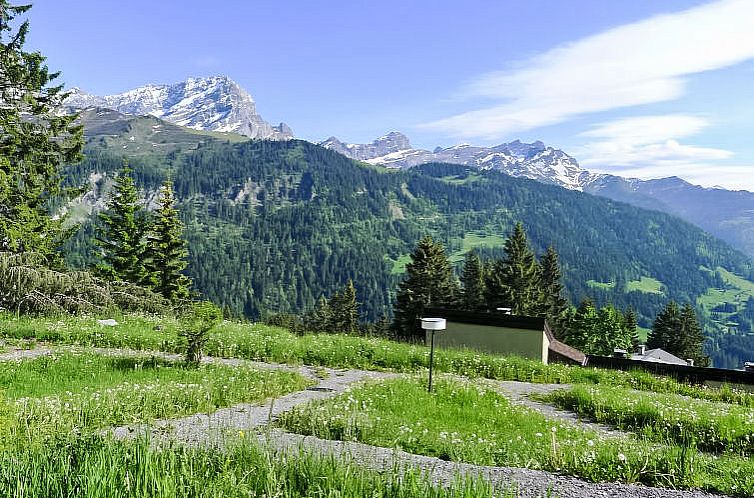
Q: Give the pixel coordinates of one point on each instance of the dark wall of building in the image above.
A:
(684, 373)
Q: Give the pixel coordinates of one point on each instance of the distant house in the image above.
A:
(498, 333)
(657, 355)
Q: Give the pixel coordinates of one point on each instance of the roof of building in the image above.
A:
(658, 355)
(563, 349)
(484, 318)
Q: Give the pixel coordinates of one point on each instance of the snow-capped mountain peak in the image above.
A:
(529, 160)
(387, 145)
(215, 103)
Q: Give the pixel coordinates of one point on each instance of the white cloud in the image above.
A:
(639, 63)
(206, 61)
(648, 129)
(638, 141)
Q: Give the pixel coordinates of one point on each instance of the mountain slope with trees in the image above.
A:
(274, 226)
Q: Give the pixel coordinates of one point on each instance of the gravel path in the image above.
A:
(527, 483)
(14, 354)
(212, 429)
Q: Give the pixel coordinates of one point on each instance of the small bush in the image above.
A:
(200, 319)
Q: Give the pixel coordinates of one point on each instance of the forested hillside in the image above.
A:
(274, 225)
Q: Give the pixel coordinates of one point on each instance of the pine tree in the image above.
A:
(166, 250)
(34, 143)
(494, 285)
(677, 331)
(629, 323)
(122, 237)
(429, 282)
(320, 319)
(692, 338)
(666, 330)
(472, 297)
(514, 282)
(551, 287)
(344, 310)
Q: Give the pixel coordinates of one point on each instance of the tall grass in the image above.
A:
(272, 344)
(706, 425)
(67, 391)
(93, 467)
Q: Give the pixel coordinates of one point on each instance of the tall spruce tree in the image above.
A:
(629, 322)
(551, 287)
(494, 285)
(666, 330)
(344, 310)
(35, 141)
(692, 338)
(122, 235)
(515, 281)
(472, 279)
(677, 331)
(429, 282)
(166, 250)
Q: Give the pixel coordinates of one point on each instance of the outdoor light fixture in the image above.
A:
(433, 325)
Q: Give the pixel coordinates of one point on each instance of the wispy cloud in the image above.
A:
(646, 143)
(634, 64)
(651, 147)
(206, 61)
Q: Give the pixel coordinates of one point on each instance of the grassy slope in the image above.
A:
(50, 444)
(272, 344)
(712, 426)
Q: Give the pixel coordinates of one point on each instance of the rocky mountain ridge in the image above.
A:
(533, 160)
(212, 104)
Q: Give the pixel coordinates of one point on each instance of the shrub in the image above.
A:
(196, 324)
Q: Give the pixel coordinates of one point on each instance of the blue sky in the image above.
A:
(638, 88)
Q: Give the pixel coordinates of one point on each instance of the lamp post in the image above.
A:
(433, 325)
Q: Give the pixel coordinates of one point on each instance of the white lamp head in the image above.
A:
(433, 323)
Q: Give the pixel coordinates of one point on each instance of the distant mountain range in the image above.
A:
(212, 104)
(724, 213)
(535, 160)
